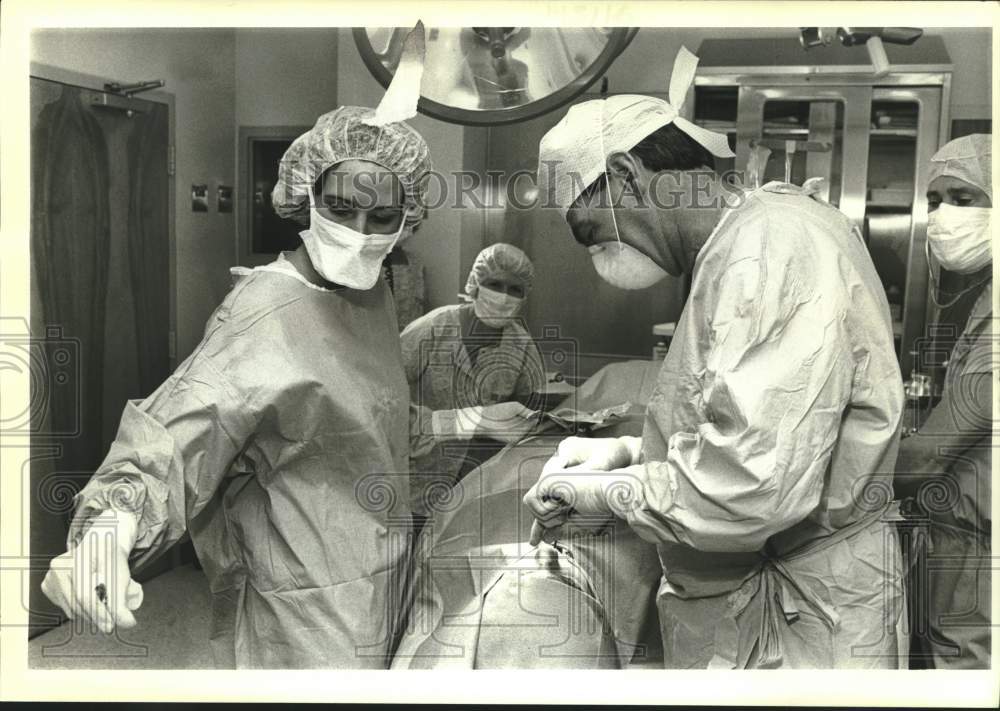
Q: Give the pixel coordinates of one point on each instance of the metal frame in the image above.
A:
(854, 154)
(619, 40)
(932, 312)
(93, 83)
(923, 75)
(915, 301)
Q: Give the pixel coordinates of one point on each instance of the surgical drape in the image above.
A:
(281, 445)
(769, 445)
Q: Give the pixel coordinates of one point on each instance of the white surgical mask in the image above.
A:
(960, 237)
(495, 308)
(345, 256)
(622, 265)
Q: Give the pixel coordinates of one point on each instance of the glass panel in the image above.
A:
(888, 217)
(270, 233)
(817, 127)
(715, 108)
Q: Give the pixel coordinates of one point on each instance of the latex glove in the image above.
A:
(96, 564)
(505, 421)
(596, 454)
(587, 498)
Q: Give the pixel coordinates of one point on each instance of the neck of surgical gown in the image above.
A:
(281, 443)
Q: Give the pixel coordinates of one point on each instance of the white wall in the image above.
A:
(972, 80)
(284, 77)
(198, 68)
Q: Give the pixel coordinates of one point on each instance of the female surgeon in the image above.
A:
(274, 441)
(472, 369)
(947, 464)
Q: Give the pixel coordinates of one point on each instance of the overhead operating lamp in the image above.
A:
(497, 75)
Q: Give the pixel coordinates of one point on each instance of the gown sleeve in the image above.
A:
(170, 455)
(422, 439)
(961, 420)
(778, 379)
(532, 376)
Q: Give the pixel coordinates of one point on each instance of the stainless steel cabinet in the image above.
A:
(871, 138)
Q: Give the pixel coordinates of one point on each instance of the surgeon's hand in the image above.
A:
(506, 421)
(586, 498)
(92, 579)
(595, 454)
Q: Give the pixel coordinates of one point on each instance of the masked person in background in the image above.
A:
(472, 369)
(947, 464)
(764, 469)
(264, 441)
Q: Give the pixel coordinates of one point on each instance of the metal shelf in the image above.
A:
(894, 132)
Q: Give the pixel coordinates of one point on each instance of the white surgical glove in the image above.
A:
(92, 579)
(592, 498)
(596, 454)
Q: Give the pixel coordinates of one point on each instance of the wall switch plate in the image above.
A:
(225, 198)
(199, 198)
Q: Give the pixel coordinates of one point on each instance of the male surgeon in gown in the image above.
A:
(763, 473)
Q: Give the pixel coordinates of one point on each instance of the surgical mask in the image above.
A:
(622, 265)
(625, 266)
(345, 256)
(960, 237)
(494, 308)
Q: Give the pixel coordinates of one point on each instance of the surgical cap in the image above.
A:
(969, 158)
(341, 135)
(573, 154)
(501, 261)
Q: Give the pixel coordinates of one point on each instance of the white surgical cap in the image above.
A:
(573, 154)
(342, 135)
(969, 158)
(501, 261)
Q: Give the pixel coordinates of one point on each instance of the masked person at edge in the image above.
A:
(947, 465)
(763, 473)
(267, 441)
(472, 369)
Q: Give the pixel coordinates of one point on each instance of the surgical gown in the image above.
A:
(281, 444)
(951, 457)
(442, 376)
(769, 446)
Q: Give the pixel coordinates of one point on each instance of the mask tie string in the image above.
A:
(607, 179)
(936, 286)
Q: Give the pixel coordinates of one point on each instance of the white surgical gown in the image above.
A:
(769, 447)
(281, 444)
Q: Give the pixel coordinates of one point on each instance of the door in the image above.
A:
(581, 322)
(100, 299)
